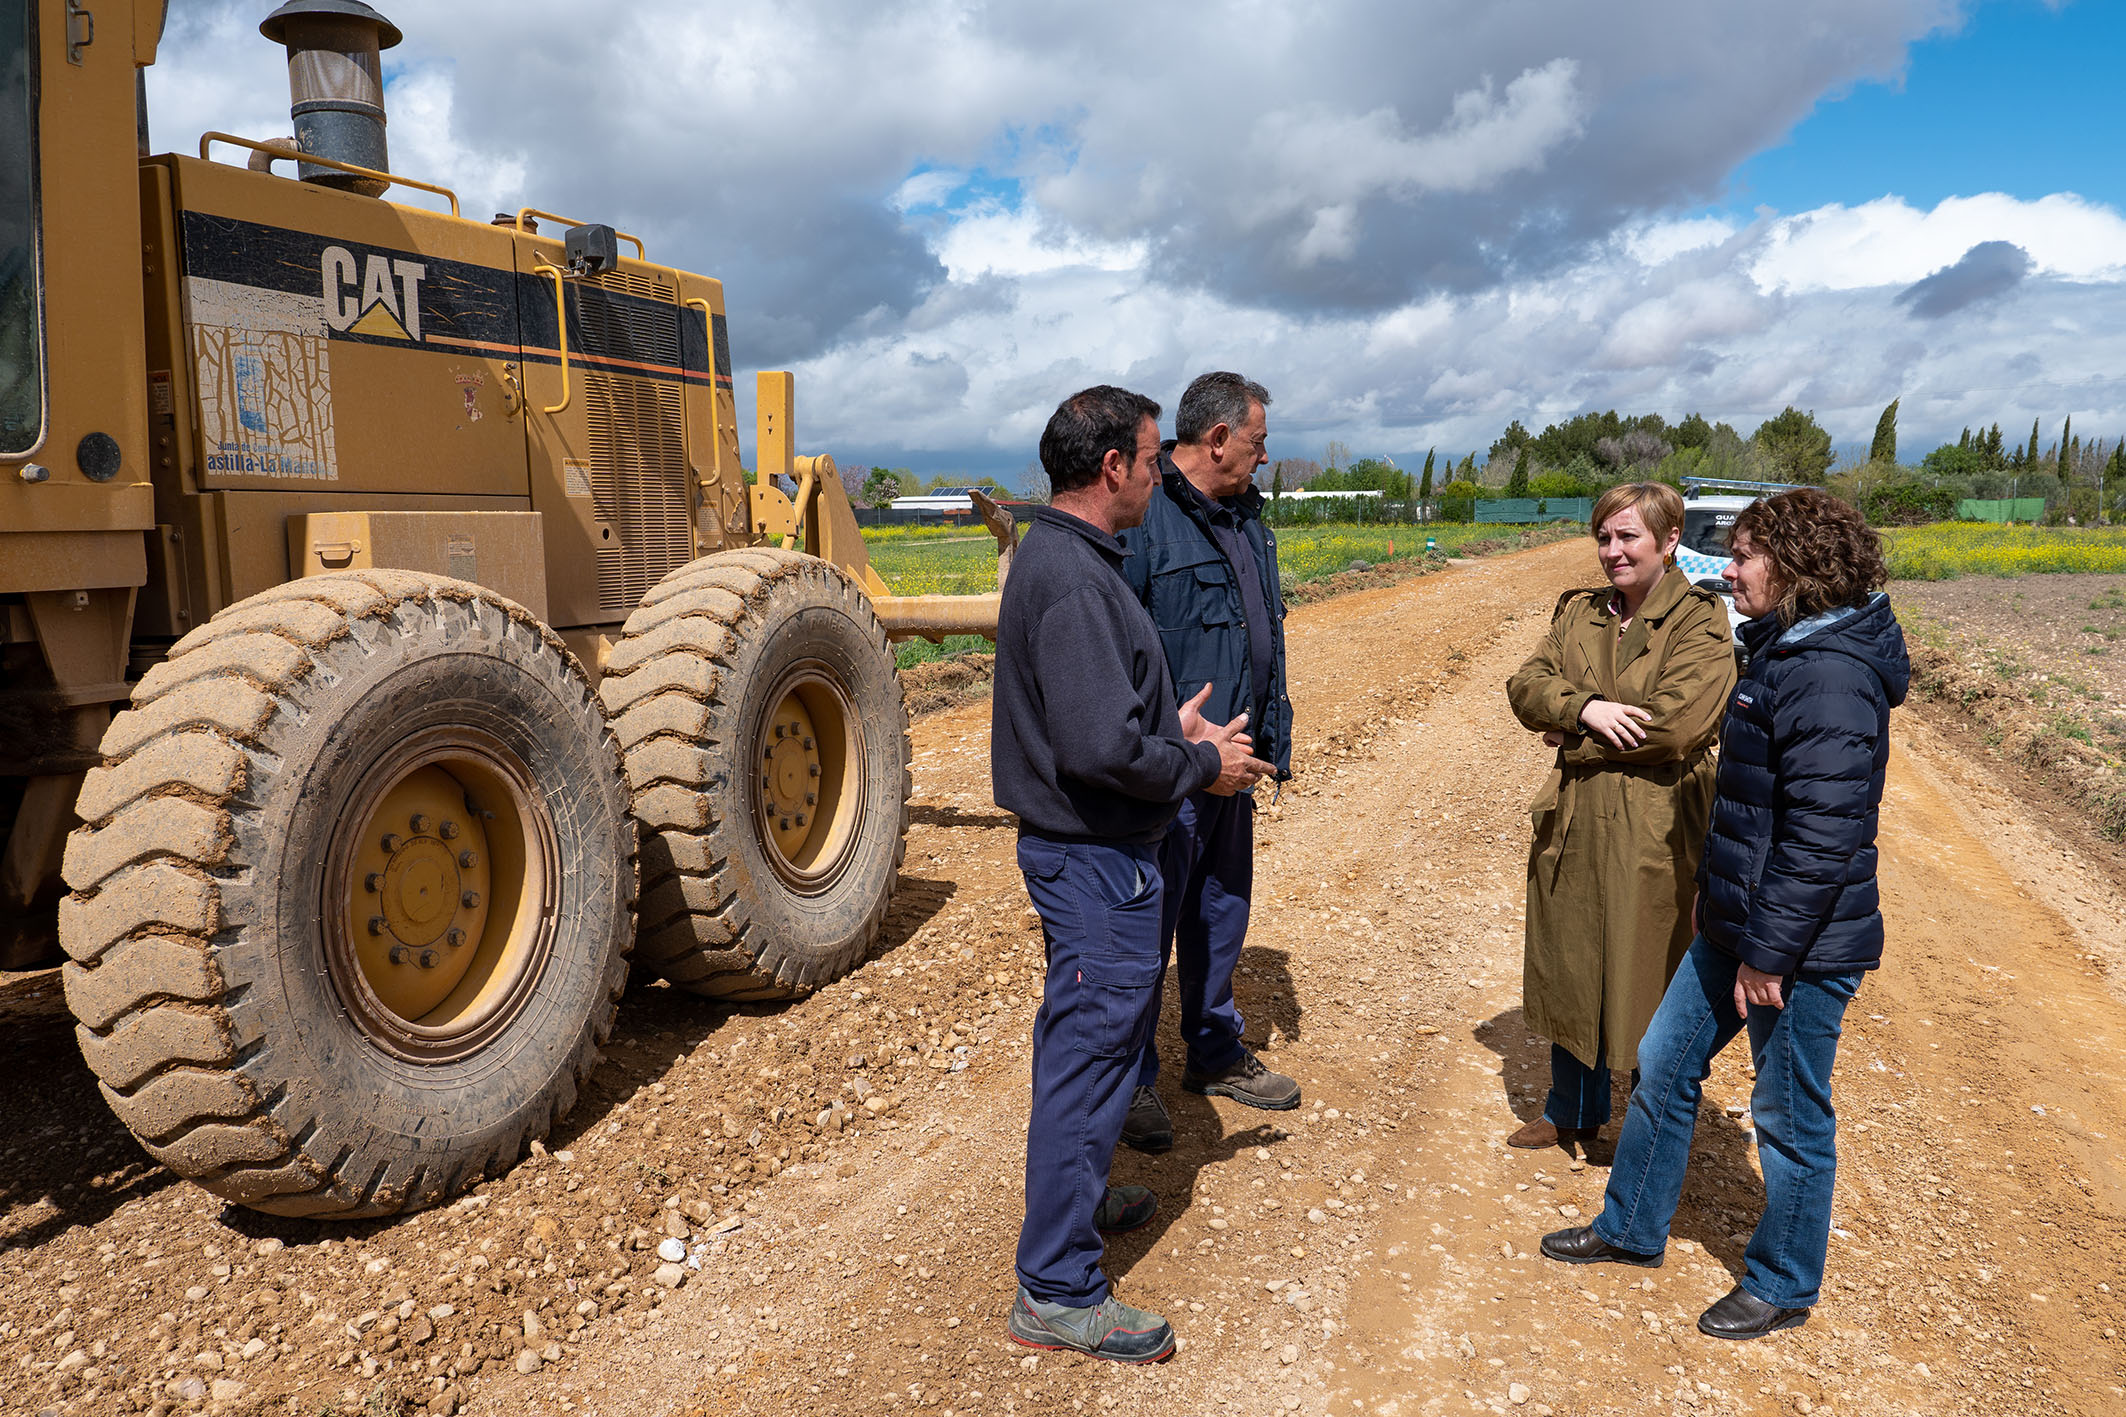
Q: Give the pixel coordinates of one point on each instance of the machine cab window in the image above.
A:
(21, 313)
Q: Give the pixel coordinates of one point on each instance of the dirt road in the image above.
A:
(844, 1173)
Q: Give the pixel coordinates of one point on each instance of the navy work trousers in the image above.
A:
(1100, 913)
(1208, 860)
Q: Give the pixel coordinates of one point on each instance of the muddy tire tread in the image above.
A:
(154, 899)
(666, 683)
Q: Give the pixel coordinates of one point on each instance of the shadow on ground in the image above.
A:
(1723, 1193)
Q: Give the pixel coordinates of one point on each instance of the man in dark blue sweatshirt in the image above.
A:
(1090, 749)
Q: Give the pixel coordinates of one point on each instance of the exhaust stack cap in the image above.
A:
(336, 86)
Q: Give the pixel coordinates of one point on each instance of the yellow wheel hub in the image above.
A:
(790, 777)
(810, 801)
(421, 892)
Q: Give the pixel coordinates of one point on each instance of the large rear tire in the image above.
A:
(760, 719)
(351, 911)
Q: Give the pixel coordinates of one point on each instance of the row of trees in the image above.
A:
(2082, 480)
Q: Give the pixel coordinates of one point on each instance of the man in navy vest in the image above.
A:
(1093, 752)
(1205, 566)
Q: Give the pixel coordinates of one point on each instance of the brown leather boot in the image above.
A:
(1542, 1132)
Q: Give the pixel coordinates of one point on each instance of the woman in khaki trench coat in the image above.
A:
(1629, 685)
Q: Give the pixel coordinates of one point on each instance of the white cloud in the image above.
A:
(1889, 242)
(1413, 219)
(992, 240)
(1658, 241)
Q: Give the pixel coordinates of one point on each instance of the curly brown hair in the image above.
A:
(1822, 553)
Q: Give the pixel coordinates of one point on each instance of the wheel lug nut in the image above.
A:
(813, 769)
(778, 730)
(428, 959)
(373, 882)
(392, 841)
(785, 824)
(808, 745)
(454, 937)
(399, 953)
(800, 818)
(377, 924)
(468, 859)
(811, 798)
(420, 822)
(471, 900)
(448, 830)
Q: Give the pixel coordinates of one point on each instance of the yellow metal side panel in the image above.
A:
(499, 550)
(344, 341)
(609, 434)
(73, 560)
(90, 223)
(251, 528)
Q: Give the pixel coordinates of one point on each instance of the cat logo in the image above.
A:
(374, 295)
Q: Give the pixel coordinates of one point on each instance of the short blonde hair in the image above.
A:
(1659, 505)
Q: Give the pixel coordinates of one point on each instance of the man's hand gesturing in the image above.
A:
(1237, 767)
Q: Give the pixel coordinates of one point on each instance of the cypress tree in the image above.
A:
(1517, 485)
(2030, 458)
(1424, 486)
(2066, 468)
(1884, 448)
(1964, 440)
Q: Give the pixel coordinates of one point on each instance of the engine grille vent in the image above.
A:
(640, 283)
(640, 483)
(627, 329)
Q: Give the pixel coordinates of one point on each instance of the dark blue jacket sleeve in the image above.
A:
(1099, 727)
(1825, 728)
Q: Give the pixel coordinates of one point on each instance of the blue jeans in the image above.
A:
(1208, 862)
(1579, 1095)
(1100, 909)
(1797, 1132)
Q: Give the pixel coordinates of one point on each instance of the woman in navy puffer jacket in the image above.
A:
(1789, 918)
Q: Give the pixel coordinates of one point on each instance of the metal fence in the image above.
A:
(1536, 509)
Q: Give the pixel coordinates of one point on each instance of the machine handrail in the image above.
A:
(560, 327)
(293, 154)
(641, 252)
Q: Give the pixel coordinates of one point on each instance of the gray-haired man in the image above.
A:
(1205, 566)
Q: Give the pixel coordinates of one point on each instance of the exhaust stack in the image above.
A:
(336, 86)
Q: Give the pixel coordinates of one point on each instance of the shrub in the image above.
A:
(1908, 504)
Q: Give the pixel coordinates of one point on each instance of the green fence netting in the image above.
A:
(2005, 509)
(1535, 509)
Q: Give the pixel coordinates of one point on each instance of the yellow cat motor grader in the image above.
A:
(375, 585)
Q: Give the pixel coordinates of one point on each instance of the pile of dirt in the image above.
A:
(946, 683)
(2026, 733)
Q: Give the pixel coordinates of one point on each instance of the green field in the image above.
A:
(1947, 550)
(948, 561)
(951, 561)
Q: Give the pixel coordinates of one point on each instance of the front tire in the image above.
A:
(760, 719)
(351, 913)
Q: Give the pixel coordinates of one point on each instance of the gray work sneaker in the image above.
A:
(1147, 1128)
(1246, 1080)
(1123, 1209)
(1109, 1329)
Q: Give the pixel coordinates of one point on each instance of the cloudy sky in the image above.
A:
(1413, 220)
